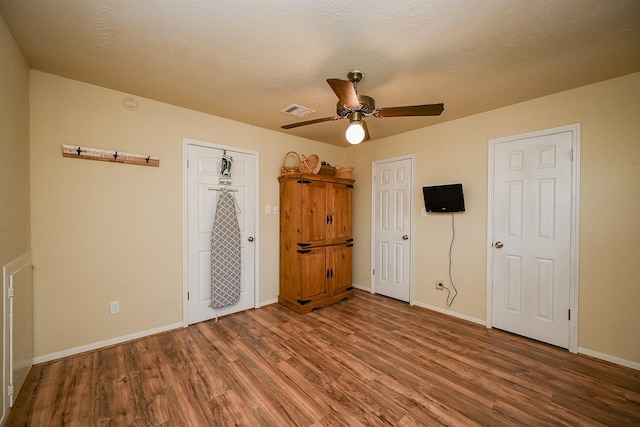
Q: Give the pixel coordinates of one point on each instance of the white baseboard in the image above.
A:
(105, 343)
(430, 307)
(581, 350)
(451, 313)
(609, 358)
(142, 334)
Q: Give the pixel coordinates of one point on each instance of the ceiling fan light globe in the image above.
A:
(355, 133)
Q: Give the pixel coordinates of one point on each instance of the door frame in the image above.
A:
(186, 142)
(574, 226)
(374, 164)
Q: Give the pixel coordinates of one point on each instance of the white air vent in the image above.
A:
(298, 110)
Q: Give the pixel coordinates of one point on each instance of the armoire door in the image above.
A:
(339, 207)
(340, 268)
(314, 212)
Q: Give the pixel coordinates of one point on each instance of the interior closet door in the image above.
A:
(392, 222)
(203, 189)
(531, 252)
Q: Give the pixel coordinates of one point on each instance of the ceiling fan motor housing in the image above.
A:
(367, 107)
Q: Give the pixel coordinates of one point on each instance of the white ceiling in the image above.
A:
(247, 60)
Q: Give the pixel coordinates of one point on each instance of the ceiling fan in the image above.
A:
(356, 107)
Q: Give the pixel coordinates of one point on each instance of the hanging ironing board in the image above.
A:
(225, 253)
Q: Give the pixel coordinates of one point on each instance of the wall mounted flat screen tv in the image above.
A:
(443, 198)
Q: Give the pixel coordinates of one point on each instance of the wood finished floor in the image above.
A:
(370, 361)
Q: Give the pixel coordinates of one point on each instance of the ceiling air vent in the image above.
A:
(298, 110)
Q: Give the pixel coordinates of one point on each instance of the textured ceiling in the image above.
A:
(247, 60)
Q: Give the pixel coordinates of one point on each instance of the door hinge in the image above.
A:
(10, 391)
(187, 163)
(188, 296)
(373, 272)
(571, 155)
(10, 292)
(569, 314)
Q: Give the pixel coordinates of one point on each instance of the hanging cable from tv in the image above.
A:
(444, 199)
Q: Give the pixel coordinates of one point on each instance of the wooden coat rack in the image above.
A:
(109, 156)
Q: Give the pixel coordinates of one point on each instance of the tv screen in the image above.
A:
(443, 198)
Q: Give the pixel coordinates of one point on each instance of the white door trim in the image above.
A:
(574, 228)
(185, 145)
(412, 159)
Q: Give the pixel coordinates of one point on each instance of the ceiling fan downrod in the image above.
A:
(355, 76)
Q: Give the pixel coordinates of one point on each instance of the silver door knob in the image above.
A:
(498, 245)
(250, 238)
(405, 237)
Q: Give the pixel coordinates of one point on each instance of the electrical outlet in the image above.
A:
(114, 307)
(439, 285)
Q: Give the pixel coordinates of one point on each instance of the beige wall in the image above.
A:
(14, 169)
(14, 149)
(456, 151)
(103, 231)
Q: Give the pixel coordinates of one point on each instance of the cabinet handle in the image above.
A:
(332, 273)
(328, 274)
(327, 219)
(330, 219)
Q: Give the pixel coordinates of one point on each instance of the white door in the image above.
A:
(203, 183)
(392, 251)
(531, 244)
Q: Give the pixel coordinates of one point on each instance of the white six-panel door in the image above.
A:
(202, 195)
(531, 245)
(392, 256)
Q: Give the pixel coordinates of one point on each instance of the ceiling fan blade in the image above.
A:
(412, 110)
(310, 122)
(345, 92)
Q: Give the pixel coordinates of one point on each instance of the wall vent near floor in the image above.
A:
(298, 110)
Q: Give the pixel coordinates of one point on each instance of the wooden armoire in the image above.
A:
(315, 241)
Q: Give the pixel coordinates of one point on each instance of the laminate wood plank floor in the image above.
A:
(369, 361)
